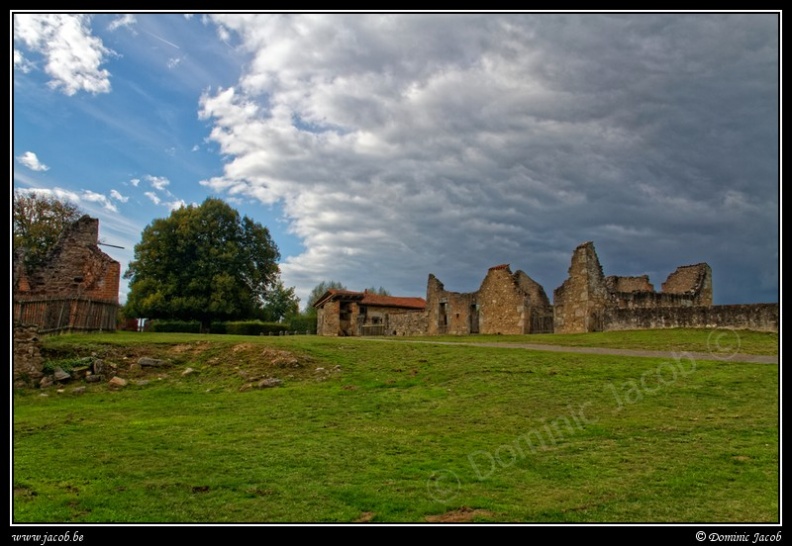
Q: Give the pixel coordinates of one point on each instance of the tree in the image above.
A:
(379, 291)
(38, 222)
(319, 291)
(281, 303)
(202, 263)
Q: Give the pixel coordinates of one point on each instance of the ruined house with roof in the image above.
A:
(348, 313)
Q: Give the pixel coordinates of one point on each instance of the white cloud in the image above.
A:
(22, 64)
(157, 182)
(177, 204)
(99, 198)
(56, 192)
(126, 20)
(73, 55)
(135, 182)
(153, 196)
(29, 160)
(118, 197)
(195, 148)
(173, 62)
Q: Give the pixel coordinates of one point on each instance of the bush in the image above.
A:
(248, 328)
(181, 326)
(303, 323)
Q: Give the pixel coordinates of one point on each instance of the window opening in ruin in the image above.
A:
(442, 320)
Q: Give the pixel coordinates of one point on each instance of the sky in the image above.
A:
(380, 148)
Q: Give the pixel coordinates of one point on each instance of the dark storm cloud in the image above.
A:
(404, 144)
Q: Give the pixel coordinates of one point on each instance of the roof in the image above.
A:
(369, 298)
(501, 266)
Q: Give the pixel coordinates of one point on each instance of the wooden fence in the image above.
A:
(66, 314)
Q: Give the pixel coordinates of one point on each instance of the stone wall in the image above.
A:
(75, 267)
(757, 316)
(327, 319)
(629, 284)
(589, 302)
(410, 323)
(580, 302)
(505, 303)
(28, 362)
(448, 312)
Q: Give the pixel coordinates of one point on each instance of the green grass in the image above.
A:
(681, 339)
(397, 433)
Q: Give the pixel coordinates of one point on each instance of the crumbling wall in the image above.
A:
(505, 303)
(757, 316)
(580, 302)
(75, 267)
(694, 281)
(587, 302)
(406, 323)
(629, 284)
(447, 312)
(327, 319)
(28, 362)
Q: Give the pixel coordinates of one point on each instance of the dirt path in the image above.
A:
(725, 357)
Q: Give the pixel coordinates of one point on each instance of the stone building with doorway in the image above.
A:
(348, 313)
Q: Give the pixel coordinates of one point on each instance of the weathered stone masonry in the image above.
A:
(505, 303)
(513, 303)
(75, 288)
(589, 302)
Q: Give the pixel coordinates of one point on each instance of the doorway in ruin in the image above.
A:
(474, 319)
(345, 319)
(442, 319)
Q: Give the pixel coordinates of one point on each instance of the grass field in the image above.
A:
(402, 432)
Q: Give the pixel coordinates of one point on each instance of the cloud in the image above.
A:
(174, 62)
(153, 196)
(126, 20)
(157, 182)
(399, 145)
(22, 64)
(56, 192)
(73, 55)
(118, 197)
(99, 198)
(29, 160)
(177, 204)
(134, 182)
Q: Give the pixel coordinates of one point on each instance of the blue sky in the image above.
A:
(380, 148)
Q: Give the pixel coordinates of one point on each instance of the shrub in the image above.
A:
(182, 326)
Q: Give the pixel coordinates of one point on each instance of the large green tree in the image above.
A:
(39, 221)
(202, 263)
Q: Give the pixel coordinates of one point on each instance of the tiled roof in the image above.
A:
(501, 266)
(367, 298)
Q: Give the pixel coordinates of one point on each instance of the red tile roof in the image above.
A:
(367, 298)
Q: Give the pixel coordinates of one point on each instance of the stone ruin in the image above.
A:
(76, 288)
(587, 301)
(582, 303)
(505, 303)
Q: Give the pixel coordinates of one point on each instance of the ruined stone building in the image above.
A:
(588, 301)
(505, 303)
(347, 313)
(75, 288)
(513, 303)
